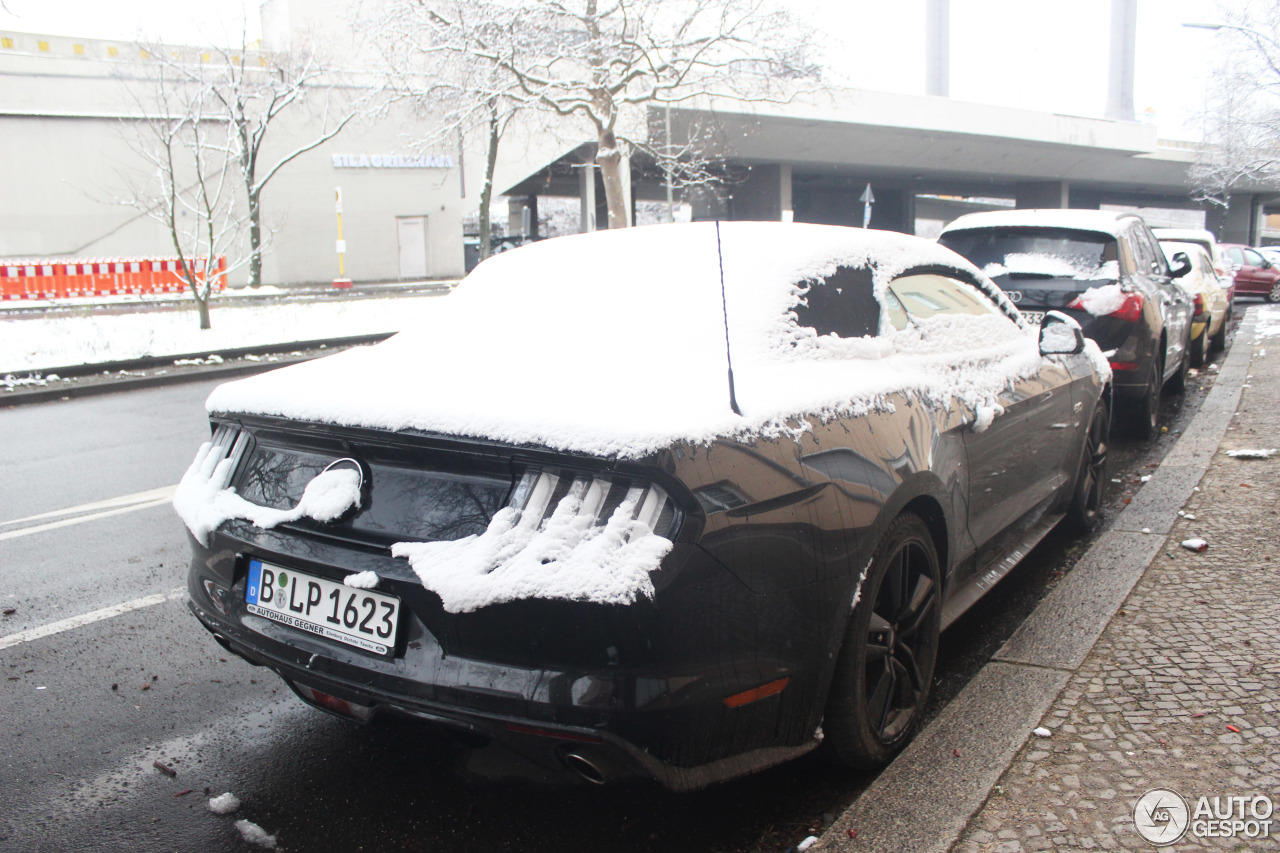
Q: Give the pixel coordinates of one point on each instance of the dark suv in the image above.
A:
(1104, 269)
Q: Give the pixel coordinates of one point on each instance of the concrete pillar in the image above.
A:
(937, 48)
(894, 210)
(1124, 36)
(627, 194)
(765, 195)
(587, 198)
(522, 216)
(1240, 223)
(1033, 194)
(1085, 199)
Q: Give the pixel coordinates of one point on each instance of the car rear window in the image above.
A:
(1037, 252)
(843, 304)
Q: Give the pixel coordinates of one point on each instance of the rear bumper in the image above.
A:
(596, 753)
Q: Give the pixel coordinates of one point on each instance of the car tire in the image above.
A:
(1200, 347)
(1091, 477)
(1273, 295)
(1178, 381)
(1218, 342)
(885, 668)
(1146, 420)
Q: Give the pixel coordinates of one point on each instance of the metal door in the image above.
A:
(412, 233)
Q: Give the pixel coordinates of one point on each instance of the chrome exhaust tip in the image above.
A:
(584, 767)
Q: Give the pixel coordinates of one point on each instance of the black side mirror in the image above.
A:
(1181, 265)
(1060, 335)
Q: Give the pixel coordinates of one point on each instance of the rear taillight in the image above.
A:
(1199, 309)
(1130, 309)
(585, 500)
(228, 446)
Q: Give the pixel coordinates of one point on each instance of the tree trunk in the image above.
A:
(609, 159)
(202, 301)
(486, 189)
(255, 242)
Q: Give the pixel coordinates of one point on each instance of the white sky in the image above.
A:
(1041, 54)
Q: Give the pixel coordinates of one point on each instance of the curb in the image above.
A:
(911, 805)
(136, 383)
(229, 353)
(61, 392)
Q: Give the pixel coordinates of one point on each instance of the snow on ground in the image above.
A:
(35, 344)
(255, 834)
(1268, 323)
(224, 803)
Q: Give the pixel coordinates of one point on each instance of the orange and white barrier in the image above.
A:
(62, 279)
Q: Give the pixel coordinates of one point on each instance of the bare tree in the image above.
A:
(190, 183)
(250, 90)
(454, 95)
(1241, 122)
(602, 61)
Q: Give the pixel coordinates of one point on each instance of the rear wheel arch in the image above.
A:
(928, 510)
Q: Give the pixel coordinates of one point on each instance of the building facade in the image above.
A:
(70, 111)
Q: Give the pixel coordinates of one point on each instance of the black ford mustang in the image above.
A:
(679, 502)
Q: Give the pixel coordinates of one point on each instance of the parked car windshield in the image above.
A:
(1037, 252)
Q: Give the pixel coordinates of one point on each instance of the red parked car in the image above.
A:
(1255, 275)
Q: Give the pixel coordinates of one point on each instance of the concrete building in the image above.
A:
(69, 111)
(925, 158)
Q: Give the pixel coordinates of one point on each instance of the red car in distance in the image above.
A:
(1255, 275)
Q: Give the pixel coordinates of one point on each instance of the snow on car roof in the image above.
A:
(1105, 221)
(613, 344)
(1196, 235)
(1172, 247)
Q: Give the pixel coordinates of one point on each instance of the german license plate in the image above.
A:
(358, 617)
(1033, 318)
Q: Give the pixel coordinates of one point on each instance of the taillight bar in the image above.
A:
(1130, 310)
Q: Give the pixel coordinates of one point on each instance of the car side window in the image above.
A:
(1235, 256)
(1159, 264)
(843, 304)
(1144, 251)
(1253, 259)
(927, 295)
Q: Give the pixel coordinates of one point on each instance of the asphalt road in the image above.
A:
(87, 710)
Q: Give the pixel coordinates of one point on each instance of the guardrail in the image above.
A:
(63, 279)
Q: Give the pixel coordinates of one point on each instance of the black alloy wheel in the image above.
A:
(1146, 422)
(1091, 478)
(885, 669)
(1274, 294)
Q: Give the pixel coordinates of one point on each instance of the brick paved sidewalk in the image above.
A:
(1182, 690)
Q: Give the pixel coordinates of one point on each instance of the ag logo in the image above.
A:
(1161, 816)
(1014, 295)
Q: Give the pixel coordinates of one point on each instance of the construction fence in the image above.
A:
(63, 279)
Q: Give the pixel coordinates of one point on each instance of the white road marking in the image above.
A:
(109, 503)
(88, 618)
(109, 507)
